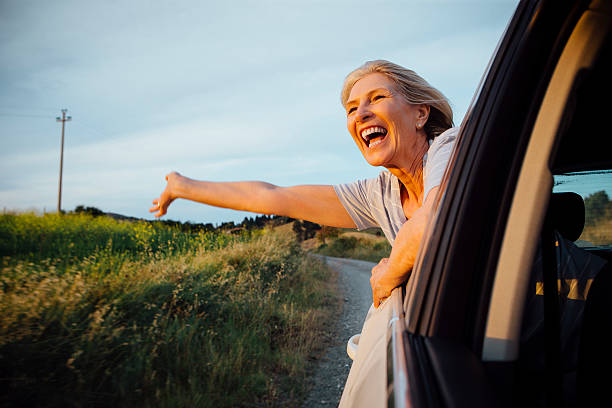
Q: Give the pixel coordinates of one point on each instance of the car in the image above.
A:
(477, 323)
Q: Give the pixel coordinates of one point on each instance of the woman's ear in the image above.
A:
(422, 113)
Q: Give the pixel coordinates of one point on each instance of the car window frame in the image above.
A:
(530, 201)
(432, 287)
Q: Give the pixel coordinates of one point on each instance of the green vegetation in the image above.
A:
(66, 239)
(305, 229)
(100, 312)
(367, 247)
(598, 219)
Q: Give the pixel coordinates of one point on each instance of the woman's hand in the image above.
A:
(167, 196)
(393, 271)
(383, 281)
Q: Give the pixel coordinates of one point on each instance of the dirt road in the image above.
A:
(334, 366)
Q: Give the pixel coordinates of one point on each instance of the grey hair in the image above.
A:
(413, 88)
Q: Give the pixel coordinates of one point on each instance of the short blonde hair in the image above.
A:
(414, 89)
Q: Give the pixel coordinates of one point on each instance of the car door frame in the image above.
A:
(447, 302)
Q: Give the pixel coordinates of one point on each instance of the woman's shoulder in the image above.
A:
(367, 185)
(448, 136)
(443, 142)
(386, 177)
(387, 183)
(441, 147)
(383, 182)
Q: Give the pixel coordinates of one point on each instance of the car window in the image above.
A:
(595, 188)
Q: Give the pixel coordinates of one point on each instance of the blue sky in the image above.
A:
(236, 90)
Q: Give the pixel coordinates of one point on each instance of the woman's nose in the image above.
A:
(362, 114)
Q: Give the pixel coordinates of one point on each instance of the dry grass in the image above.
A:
(364, 236)
(357, 245)
(199, 326)
(600, 233)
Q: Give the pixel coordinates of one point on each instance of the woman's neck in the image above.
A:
(410, 173)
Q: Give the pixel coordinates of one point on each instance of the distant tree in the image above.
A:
(277, 220)
(305, 229)
(93, 211)
(310, 229)
(596, 205)
(327, 232)
(298, 228)
(206, 227)
(261, 220)
(227, 225)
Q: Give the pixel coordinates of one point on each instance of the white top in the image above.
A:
(376, 202)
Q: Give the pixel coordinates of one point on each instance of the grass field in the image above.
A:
(99, 312)
(357, 245)
(600, 233)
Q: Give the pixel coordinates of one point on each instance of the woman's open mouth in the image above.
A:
(373, 135)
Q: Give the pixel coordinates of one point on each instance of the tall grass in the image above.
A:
(141, 315)
(600, 232)
(66, 237)
(347, 246)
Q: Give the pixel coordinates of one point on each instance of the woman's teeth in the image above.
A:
(375, 142)
(374, 135)
(372, 130)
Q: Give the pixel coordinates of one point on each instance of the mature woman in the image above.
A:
(398, 121)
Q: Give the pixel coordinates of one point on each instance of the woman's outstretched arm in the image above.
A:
(314, 203)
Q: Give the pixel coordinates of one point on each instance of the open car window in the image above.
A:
(595, 188)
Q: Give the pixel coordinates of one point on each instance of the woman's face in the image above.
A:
(387, 129)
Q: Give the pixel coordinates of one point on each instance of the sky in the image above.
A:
(221, 91)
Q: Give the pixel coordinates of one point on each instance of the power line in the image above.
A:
(24, 115)
(89, 127)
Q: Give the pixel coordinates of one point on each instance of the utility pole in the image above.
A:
(63, 119)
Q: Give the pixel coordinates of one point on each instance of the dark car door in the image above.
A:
(459, 340)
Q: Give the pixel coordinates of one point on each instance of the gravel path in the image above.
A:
(334, 366)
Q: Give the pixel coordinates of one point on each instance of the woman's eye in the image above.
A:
(377, 97)
(351, 110)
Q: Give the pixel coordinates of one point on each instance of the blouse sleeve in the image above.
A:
(354, 198)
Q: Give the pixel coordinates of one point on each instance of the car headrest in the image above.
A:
(566, 214)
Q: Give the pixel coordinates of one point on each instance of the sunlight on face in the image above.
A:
(383, 125)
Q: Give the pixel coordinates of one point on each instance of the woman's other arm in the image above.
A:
(395, 270)
(318, 204)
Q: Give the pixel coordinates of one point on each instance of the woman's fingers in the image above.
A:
(160, 205)
(379, 296)
(373, 283)
(157, 208)
(379, 291)
(381, 264)
(381, 285)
